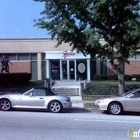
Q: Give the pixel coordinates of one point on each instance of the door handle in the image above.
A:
(41, 98)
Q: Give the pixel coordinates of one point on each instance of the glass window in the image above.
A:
(92, 68)
(11, 56)
(28, 92)
(138, 55)
(23, 56)
(64, 70)
(33, 56)
(55, 69)
(43, 56)
(34, 70)
(136, 94)
(44, 69)
(133, 57)
(39, 92)
(103, 67)
(72, 69)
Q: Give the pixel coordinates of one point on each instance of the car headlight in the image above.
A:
(101, 101)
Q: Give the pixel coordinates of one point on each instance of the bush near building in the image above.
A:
(8, 80)
(107, 87)
(102, 77)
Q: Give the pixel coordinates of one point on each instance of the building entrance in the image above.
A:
(67, 66)
(68, 69)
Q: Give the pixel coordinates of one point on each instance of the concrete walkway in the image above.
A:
(77, 101)
(66, 84)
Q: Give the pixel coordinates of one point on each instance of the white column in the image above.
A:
(88, 69)
(61, 70)
(68, 70)
(39, 66)
(47, 69)
(98, 66)
(75, 69)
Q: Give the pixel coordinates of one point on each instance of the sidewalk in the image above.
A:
(78, 102)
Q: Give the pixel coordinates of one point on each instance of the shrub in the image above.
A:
(102, 88)
(108, 88)
(137, 76)
(112, 77)
(100, 77)
(14, 79)
(127, 77)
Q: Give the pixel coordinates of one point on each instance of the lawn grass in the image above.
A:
(88, 105)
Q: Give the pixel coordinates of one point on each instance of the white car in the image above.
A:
(35, 98)
(129, 101)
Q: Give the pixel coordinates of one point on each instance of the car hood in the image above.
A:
(111, 99)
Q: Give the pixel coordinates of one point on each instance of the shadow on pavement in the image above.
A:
(124, 113)
(76, 110)
(72, 110)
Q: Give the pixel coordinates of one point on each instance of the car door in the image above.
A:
(132, 102)
(36, 99)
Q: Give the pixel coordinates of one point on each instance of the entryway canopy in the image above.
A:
(67, 65)
(65, 55)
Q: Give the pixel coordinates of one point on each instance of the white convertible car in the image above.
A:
(35, 98)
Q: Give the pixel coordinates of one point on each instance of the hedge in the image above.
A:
(14, 79)
(102, 77)
(107, 88)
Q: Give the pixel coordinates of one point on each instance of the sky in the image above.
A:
(16, 19)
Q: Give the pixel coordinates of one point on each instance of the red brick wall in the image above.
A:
(132, 68)
(19, 67)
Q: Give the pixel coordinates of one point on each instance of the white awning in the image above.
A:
(65, 55)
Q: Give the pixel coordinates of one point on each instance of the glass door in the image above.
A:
(64, 70)
(68, 69)
(71, 69)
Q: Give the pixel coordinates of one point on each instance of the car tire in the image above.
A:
(115, 108)
(55, 106)
(5, 105)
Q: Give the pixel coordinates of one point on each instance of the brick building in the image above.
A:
(42, 59)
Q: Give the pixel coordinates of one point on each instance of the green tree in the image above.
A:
(82, 23)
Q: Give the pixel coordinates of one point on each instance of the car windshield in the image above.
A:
(131, 91)
(28, 92)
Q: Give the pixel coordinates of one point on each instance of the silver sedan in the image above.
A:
(129, 101)
(35, 98)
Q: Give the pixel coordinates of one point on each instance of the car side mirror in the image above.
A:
(31, 94)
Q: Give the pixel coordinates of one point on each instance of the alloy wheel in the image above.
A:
(115, 109)
(55, 106)
(5, 105)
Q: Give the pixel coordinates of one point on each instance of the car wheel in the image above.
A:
(5, 105)
(115, 108)
(55, 106)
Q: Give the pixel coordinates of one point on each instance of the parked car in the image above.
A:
(129, 101)
(35, 98)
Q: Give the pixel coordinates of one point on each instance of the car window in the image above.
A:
(28, 92)
(136, 94)
(39, 92)
(127, 93)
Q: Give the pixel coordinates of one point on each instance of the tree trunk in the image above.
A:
(121, 82)
(119, 69)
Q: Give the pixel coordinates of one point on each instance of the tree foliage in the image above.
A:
(82, 23)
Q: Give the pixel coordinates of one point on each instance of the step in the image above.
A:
(66, 91)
